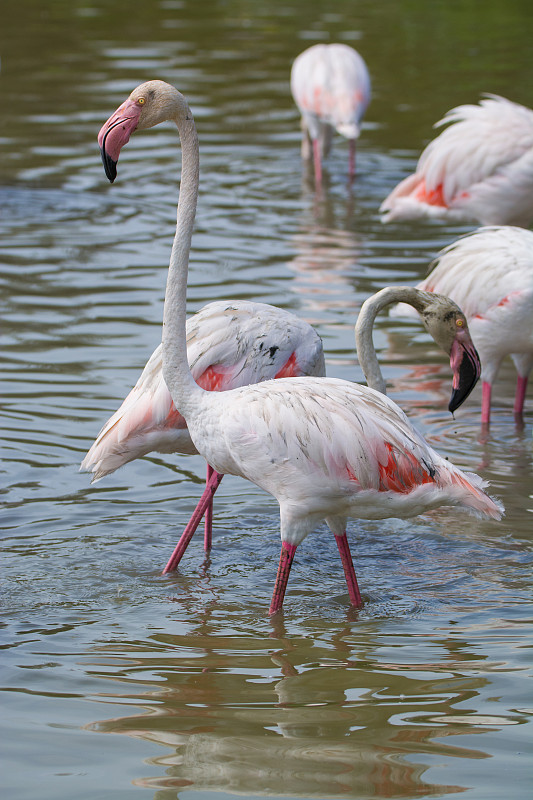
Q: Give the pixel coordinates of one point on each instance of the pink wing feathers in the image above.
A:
(329, 444)
(480, 167)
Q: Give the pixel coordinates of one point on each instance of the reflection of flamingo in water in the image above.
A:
(325, 448)
(490, 274)
(479, 168)
(325, 266)
(321, 730)
(229, 344)
(331, 87)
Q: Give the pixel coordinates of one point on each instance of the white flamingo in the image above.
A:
(326, 449)
(479, 168)
(489, 273)
(331, 87)
(229, 344)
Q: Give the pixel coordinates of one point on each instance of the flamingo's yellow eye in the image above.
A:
(459, 323)
(141, 101)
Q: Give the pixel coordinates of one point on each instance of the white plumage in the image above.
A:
(479, 168)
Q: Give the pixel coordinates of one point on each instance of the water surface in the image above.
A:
(120, 682)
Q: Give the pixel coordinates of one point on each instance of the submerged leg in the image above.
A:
(520, 396)
(208, 519)
(486, 392)
(285, 563)
(194, 521)
(351, 160)
(317, 161)
(349, 572)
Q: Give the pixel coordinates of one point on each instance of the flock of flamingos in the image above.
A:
(244, 383)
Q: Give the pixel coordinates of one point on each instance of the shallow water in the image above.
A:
(117, 680)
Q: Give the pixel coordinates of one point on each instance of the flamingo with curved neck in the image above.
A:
(489, 272)
(325, 448)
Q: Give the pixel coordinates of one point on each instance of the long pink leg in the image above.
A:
(351, 160)
(285, 563)
(520, 396)
(349, 572)
(318, 163)
(485, 403)
(208, 519)
(193, 523)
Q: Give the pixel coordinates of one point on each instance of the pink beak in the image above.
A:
(115, 133)
(466, 366)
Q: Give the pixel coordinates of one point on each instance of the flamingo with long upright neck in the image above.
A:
(326, 449)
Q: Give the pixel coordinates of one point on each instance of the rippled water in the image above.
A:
(117, 680)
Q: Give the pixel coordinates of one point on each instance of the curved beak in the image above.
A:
(466, 366)
(115, 133)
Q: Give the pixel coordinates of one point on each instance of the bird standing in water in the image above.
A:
(331, 87)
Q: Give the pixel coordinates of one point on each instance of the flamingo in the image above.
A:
(229, 344)
(325, 448)
(331, 87)
(489, 273)
(479, 168)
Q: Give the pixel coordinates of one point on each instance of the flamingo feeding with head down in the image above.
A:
(229, 344)
(489, 273)
(480, 168)
(325, 448)
(331, 87)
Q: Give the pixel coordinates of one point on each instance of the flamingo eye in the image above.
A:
(141, 101)
(459, 323)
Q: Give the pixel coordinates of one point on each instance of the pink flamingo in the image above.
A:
(489, 273)
(326, 449)
(229, 344)
(479, 168)
(331, 87)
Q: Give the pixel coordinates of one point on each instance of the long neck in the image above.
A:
(181, 384)
(365, 323)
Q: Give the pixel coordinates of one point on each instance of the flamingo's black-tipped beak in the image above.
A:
(110, 165)
(115, 133)
(466, 366)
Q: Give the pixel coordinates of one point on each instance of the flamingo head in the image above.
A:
(150, 103)
(447, 324)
